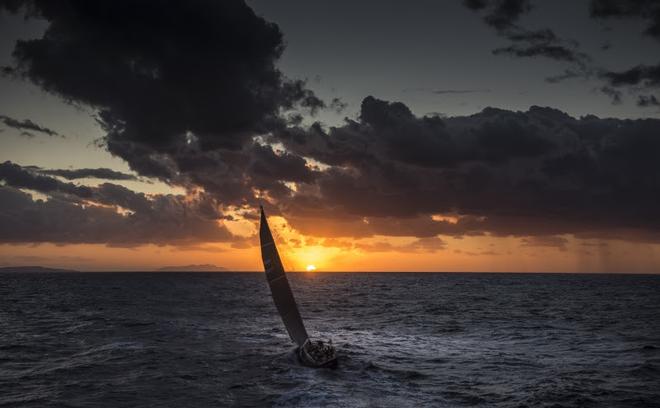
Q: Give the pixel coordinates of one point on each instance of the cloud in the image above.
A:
(647, 100)
(648, 10)
(500, 14)
(338, 105)
(503, 16)
(639, 78)
(390, 130)
(645, 76)
(20, 177)
(191, 94)
(614, 94)
(548, 50)
(100, 173)
(107, 214)
(25, 220)
(498, 172)
(163, 76)
(268, 165)
(641, 75)
(16, 176)
(27, 126)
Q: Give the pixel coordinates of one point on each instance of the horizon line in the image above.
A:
(67, 270)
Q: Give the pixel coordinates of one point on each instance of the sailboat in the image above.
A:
(312, 353)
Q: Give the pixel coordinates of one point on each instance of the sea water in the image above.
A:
(403, 339)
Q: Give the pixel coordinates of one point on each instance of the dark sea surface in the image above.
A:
(404, 340)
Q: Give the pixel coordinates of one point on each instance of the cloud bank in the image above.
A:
(108, 214)
(190, 93)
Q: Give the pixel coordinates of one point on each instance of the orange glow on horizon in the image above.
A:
(300, 252)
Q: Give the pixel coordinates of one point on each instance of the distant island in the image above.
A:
(193, 268)
(33, 269)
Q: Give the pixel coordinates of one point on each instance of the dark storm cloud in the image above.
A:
(284, 166)
(390, 130)
(26, 126)
(100, 173)
(160, 72)
(540, 172)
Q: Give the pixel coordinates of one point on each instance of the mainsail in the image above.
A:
(279, 285)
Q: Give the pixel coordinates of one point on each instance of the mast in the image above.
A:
(279, 285)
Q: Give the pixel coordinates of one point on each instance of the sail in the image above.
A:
(279, 285)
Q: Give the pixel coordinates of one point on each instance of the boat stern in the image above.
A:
(316, 353)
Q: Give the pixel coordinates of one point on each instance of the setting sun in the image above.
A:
(311, 268)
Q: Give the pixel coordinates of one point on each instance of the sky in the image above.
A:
(475, 135)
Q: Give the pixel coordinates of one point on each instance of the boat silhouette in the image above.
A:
(312, 353)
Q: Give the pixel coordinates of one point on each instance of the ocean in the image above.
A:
(403, 339)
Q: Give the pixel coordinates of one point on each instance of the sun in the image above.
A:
(311, 268)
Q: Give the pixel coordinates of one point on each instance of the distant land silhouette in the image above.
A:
(193, 268)
(33, 269)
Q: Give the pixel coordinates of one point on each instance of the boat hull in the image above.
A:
(317, 355)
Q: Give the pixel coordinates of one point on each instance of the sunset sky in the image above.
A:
(476, 135)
